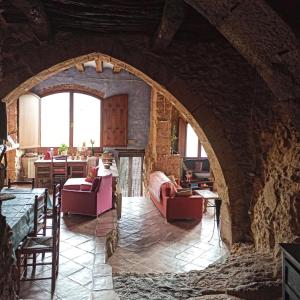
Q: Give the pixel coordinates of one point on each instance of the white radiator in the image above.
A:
(30, 166)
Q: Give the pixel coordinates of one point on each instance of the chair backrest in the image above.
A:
(59, 169)
(59, 166)
(11, 183)
(40, 214)
(56, 216)
(57, 193)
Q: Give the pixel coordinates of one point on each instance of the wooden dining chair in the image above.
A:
(56, 199)
(40, 215)
(33, 246)
(11, 183)
(59, 170)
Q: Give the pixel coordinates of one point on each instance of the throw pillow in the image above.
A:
(92, 174)
(173, 180)
(170, 189)
(95, 184)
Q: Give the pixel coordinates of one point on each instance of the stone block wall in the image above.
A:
(158, 155)
(106, 84)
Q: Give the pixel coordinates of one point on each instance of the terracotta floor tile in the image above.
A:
(73, 252)
(102, 283)
(88, 246)
(83, 276)
(143, 231)
(87, 259)
(105, 295)
(102, 270)
(69, 268)
(77, 240)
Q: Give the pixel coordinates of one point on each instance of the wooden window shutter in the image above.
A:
(114, 121)
(181, 137)
(29, 121)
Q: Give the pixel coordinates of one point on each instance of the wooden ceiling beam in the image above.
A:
(117, 69)
(80, 67)
(36, 15)
(172, 18)
(99, 65)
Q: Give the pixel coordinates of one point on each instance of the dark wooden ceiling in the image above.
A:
(109, 16)
(150, 17)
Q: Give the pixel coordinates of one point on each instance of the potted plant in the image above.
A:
(63, 149)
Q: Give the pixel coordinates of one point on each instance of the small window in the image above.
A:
(203, 152)
(192, 142)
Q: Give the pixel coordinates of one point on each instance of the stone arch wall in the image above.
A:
(214, 86)
(262, 37)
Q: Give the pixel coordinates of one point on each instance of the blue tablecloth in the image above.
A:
(19, 212)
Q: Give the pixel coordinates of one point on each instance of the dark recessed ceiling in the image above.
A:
(289, 11)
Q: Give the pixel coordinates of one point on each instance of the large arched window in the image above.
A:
(70, 118)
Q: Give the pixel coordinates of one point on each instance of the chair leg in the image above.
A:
(53, 273)
(33, 264)
(19, 272)
(25, 265)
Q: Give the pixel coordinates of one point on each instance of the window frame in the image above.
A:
(182, 138)
(71, 111)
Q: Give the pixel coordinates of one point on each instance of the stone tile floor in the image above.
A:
(147, 243)
(83, 271)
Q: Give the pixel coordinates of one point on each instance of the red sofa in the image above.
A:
(163, 194)
(78, 196)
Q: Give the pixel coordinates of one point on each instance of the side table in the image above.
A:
(290, 271)
(209, 195)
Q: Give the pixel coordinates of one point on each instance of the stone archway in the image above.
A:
(193, 101)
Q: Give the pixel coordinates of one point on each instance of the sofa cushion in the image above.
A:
(85, 187)
(75, 183)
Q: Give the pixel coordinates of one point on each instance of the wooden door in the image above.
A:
(114, 121)
(29, 121)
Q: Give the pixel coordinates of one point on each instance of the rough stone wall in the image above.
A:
(276, 201)
(158, 155)
(215, 89)
(109, 84)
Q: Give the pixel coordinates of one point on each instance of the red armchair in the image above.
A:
(80, 197)
(172, 207)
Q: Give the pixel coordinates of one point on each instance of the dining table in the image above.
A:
(19, 212)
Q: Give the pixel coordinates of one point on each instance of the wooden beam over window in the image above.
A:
(117, 69)
(99, 65)
(172, 18)
(80, 67)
